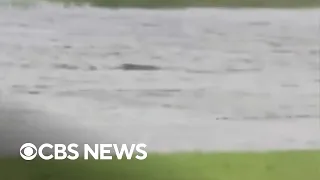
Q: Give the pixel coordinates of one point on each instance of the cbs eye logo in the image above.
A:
(28, 151)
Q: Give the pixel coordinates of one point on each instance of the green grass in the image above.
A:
(302, 165)
(199, 3)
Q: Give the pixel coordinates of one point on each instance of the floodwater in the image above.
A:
(177, 80)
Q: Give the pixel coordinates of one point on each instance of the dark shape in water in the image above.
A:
(66, 66)
(138, 67)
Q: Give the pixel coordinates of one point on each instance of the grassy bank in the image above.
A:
(192, 166)
(199, 3)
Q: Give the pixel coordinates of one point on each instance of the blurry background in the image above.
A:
(196, 79)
